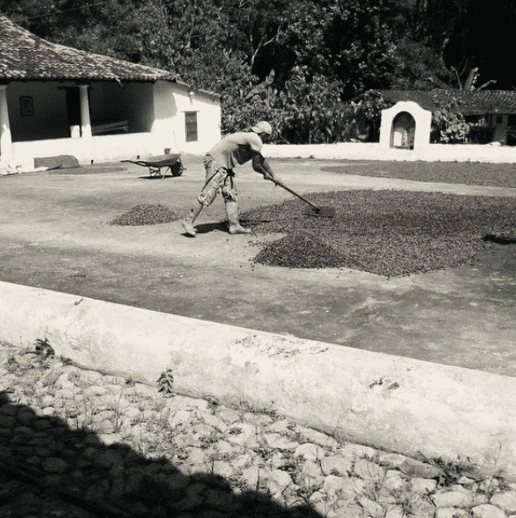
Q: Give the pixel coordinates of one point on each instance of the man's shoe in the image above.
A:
(188, 228)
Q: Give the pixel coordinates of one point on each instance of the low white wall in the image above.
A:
(388, 402)
(373, 151)
(100, 149)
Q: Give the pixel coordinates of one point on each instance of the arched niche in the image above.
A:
(403, 131)
(405, 126)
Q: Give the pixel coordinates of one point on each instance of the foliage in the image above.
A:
(363, 117)
(318, 53)
(448, 123)
(311, 109)
(361, 44)
(418, 67)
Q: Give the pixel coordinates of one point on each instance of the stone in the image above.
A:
(451, 512)
(185, 440)
(223, 469)
(220, 500)
(319, 503)
(452, 499)
(7, 421)
(393, 481)
(116, 491)
(415, 468)
(333, 486)
(422, 485)
(357, 451)
(54, 465)
(203, 431)
(312, 469)
(336, 464)
(313, 436)
(395, 511)
(97, 492)
(487, 511)
(250, 477)
(108, 439)
(346, 509)
(279, 442)
(309, 452)
(180, 417)
(106, 457)
(227, 414)
(243, 434)
(215, 421)
(422, 508)
(8, 409)
(242, 461)
(223, 447)
(281, 426)
(29, 499)
(278, 481)
(393, 460)
(368, 470)
(505, 500)
(373, 509)
(26, 416)
(195, 456)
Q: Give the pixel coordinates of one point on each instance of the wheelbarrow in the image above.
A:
(173, 165)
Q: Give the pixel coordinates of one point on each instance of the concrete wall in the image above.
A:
(389, 402)
(374, 151)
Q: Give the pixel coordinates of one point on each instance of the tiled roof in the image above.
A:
(24, 56)
(477, 102)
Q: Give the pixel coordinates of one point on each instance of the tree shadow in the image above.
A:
(113, 480)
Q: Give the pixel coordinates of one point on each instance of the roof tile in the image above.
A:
(477, 102)
(25, 56)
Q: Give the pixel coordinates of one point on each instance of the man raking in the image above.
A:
(233, 150)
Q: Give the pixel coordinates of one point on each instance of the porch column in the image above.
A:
(6, 152)
(85, 112)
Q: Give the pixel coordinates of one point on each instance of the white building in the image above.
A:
(56, 100)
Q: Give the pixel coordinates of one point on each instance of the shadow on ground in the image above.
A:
(73, 473)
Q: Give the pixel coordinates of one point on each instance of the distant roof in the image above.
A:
(477, 102)
(25, 56)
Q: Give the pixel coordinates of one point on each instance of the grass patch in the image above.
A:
(146, 214)
(466, 173)
(389, 233)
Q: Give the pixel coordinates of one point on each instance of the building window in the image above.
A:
(499, 119)
(191, 126)
(26, 106)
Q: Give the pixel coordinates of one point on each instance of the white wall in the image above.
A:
(373, 151)
(99, 149)
(208, 120)
(156, 116)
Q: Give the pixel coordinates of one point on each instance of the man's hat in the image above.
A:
(263, 127)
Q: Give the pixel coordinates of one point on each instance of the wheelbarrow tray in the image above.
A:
(172, 165)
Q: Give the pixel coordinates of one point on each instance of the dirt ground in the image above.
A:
(55, 234)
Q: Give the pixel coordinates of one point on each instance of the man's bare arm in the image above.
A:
(260, 165)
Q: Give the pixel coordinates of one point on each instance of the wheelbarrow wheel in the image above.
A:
(177, 169)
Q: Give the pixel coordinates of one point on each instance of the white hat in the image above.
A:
(263, 127)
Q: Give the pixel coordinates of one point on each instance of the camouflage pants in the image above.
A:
(217, 179)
